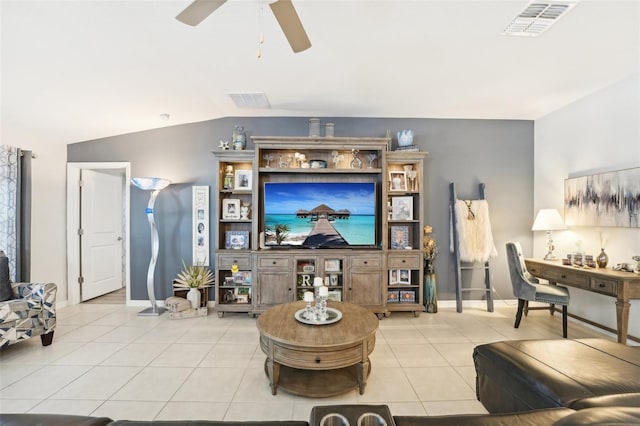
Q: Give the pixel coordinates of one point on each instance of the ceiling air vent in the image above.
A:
(250, 100)
(537, 17)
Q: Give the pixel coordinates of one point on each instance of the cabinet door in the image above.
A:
(274, 288)
(365, 287)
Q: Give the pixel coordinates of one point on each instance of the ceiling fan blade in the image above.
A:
(291, 25)
(197, 11)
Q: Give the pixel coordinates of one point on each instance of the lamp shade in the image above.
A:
(150, 183)
(548, 220)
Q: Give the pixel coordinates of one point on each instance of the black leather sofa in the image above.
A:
(523, 375)
(550, 416)
(522, 382)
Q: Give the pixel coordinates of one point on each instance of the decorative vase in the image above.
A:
(193, 296)
(356, 162)
(602, 259)
(430, 291)
(239, 138)
(228, 178)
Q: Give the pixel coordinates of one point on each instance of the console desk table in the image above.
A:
(317, 360)
(624, 286)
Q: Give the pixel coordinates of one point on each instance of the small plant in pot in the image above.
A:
(194, 277)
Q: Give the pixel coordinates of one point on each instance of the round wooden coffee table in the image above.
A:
(317, 360)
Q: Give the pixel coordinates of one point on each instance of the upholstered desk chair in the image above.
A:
(527, 288)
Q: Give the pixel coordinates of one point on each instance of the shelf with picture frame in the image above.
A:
(232, 236)
(405, 198)
(363, 273)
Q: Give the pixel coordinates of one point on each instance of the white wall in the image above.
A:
(48, 215)
(596, 134)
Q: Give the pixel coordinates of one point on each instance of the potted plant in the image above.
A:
(194, 277)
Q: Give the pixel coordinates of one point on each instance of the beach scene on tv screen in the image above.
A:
(320, 214)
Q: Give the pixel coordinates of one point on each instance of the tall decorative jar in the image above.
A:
(430, 290)
(194, 297)
(429, 253)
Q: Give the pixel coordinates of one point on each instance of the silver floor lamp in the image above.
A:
(155, 185)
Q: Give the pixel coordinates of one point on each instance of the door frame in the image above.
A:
(73, 224)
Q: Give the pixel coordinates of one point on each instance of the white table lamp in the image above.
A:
(155, 185)
(548, 220)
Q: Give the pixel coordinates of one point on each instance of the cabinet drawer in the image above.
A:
(405, 261)
(571, 278)
(366, 261)
(273, 262)
(602, 285)
(242, 260)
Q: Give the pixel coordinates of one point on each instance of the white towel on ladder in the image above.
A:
(475, 240)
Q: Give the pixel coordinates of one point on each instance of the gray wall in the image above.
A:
(498, 153)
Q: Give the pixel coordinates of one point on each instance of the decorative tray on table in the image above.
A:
(333, 315)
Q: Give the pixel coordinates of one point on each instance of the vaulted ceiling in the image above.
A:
(76, 70)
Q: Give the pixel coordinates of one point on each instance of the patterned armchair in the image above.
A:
(31, 313)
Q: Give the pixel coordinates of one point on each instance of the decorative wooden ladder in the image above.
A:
(487, 289)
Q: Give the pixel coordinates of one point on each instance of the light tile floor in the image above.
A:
(107, 361)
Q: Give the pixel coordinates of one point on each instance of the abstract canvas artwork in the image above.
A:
(604, 199)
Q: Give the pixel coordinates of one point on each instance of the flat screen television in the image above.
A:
(320, 214)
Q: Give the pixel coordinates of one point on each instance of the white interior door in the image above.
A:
(101, 242)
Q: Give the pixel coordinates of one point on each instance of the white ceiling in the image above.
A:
(76, 70)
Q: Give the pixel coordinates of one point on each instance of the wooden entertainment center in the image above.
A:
(253, 273)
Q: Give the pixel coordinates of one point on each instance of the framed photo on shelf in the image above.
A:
(228, 281)
(237, 240)
(407, 296)
(238, 278)
(397, 180)
(404, 276)
(393, 296)
(393, 276)
(231, 208)
(243, 180)
(332, 265)
(402, 208)
(200, 220)
(400, 237)
(242, 294)
(242, 298)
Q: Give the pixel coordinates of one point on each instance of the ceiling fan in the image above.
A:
(283, 10)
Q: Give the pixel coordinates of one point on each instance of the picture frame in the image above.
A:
(397, 180)
(228, 281)
(236, 240)
(407, 296)
(393, 296)
(242, 295)
(231, 209)
(243, 179)
(399, 238)
(402, 208)
(200, 221)
(238, 278)
(242, 298)
(404, 276)
(332, 265)
(393, 277)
